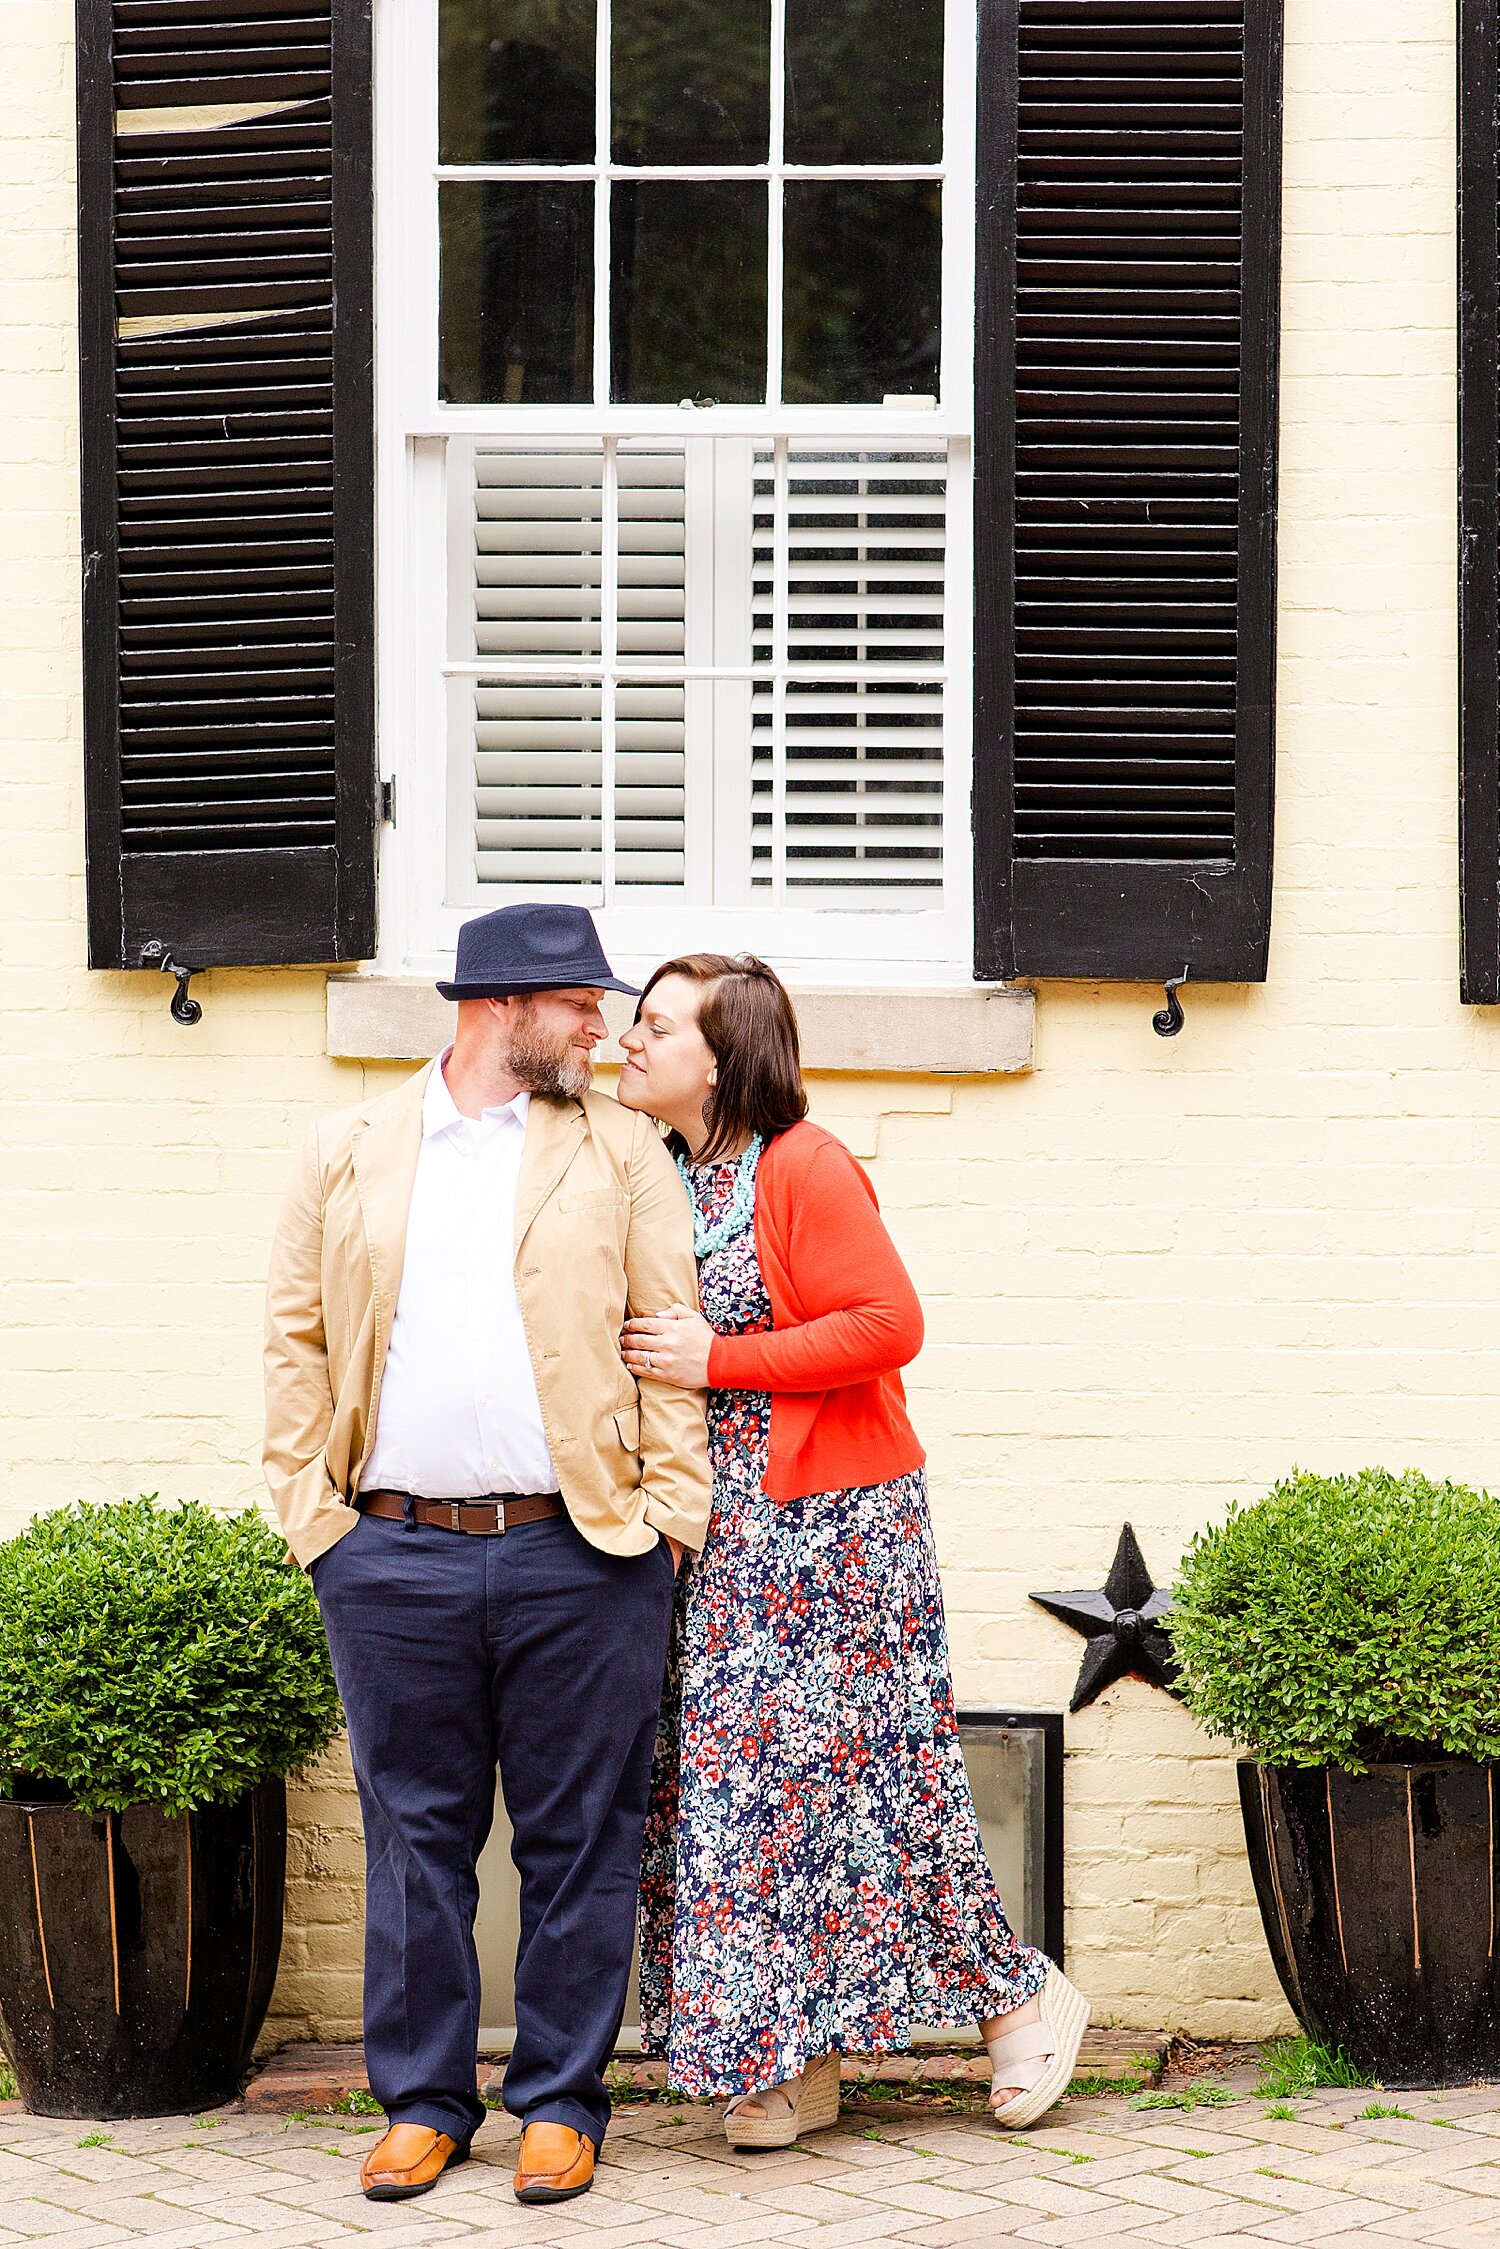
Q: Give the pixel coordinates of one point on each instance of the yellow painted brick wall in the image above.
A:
(1157, 1275)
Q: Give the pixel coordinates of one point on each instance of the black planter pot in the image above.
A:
(137, 1952)
(1378, 1896)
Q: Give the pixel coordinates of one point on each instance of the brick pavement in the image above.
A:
(1095, 2171)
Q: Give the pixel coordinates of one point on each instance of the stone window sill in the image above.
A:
(985, 1031)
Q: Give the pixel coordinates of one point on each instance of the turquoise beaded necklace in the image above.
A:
(741, 1211)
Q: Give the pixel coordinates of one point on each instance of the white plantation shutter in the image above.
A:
(777, 675)
(850, 583)
(537, 576)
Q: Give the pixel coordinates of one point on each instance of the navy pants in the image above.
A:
(452, 1653)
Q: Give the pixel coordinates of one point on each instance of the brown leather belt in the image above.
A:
(489, 1518)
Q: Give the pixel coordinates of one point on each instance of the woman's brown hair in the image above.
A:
(746, 1015)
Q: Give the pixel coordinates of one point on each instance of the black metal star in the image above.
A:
(1119, 1624)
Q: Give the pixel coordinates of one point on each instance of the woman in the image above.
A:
(814, 1882)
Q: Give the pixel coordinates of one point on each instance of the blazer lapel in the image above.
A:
(555, 1131)
(384, 1152)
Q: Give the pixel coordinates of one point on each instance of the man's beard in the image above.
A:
(557, 1069)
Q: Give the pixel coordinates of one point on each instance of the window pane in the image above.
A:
(517, 291)
(516, 81)
(863, 294)
(864, 82)
(688, 265)
(1007, 1768)
(690, 81)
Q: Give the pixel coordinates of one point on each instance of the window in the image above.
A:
(676, 343)
(675, 324)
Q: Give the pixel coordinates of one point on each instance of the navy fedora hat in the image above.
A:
(530, 949)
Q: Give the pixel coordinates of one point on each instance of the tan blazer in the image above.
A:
(602, 1226)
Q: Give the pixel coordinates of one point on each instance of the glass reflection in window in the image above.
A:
(690, 81)
(864, 82)
(688, 283)
(517, 291)
(863, 290)
(516, 81)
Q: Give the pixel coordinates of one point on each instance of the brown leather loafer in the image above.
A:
(408, 2160)
(556, 2163)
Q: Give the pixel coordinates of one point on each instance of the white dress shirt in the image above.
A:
(459, 1415)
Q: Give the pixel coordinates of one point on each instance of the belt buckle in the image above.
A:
(455, 1519)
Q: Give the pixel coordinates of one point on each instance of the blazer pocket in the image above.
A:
(628, 1428)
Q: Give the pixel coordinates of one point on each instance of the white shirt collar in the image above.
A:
(441, 1113)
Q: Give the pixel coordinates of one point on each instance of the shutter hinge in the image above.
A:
(184, 1008)
(1168, 1020)
(388, 803)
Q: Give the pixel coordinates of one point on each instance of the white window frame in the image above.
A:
(901, 944)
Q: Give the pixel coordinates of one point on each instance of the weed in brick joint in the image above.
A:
(936, 2092)
(1188, 2097)
(1281, 2112)
(1095, 2088)
(1385, 2108)
(318, 2120)
(358, 2102)
(98, 2139)
(623, 2093)
(1304, 2065)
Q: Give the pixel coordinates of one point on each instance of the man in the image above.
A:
(493, 1516)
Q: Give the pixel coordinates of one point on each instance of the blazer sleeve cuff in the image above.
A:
(688, 1530)
(310, 1541)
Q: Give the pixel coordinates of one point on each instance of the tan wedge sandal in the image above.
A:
(803, 2104)
(1039, 2057)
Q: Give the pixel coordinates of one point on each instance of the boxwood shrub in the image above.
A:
(1346, 1620)
(157, 1655)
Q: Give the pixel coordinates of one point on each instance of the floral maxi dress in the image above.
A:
(813, 1877)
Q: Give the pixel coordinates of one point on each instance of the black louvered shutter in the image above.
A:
(1479, 487)
(225, 291)
(1129, 231)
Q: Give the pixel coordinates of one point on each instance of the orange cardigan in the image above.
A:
(846, 1317)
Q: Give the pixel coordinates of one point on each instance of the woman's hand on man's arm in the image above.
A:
(670, 1346)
